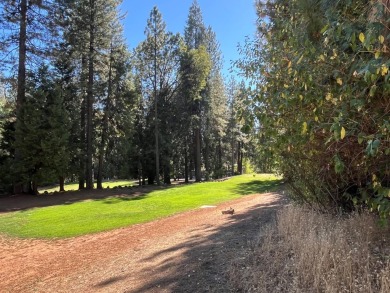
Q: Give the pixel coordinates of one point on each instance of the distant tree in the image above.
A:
(212, 118)
(115, 76)
(43, 126)
(194, 70)
(25, 26)
(87, 33)
(157, 63)
(195, 37)
(195, 30)
(214, 110)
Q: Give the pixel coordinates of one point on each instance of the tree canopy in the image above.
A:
(88, 109)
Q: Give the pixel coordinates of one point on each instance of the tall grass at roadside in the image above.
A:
(305, 251)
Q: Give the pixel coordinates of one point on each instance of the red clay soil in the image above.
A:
(188, 252)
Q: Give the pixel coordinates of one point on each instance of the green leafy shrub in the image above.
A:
(321, 70)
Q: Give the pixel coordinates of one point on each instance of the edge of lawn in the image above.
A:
(113, 212)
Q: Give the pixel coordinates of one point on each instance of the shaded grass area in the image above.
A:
(75, 186)
(96, 215)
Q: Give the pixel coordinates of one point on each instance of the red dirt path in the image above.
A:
(188, 252)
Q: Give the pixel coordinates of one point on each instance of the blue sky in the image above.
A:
(232, 20)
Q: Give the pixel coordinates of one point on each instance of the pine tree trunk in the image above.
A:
(21, 90)
(34, 188)
(62, 183)
(198, 175)
(220, 157)
(232, 159)
(82, 146)
(100, 169)
(83, 111)
(91, 60)
(239, 158)
(206, 159)
(186, 164)
(139, 173)
(156, 112)
(105, 127)
(167, 173)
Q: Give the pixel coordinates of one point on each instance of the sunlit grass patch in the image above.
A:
(93, 216)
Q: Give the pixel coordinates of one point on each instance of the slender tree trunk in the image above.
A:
(91, 60)
(21, 90)
(62, 183)
(239, 158)
(191, 167)
(101, 159)
(206, 159)
(167, 173)
(83, 111)
(232, 158)
(220, 156)
(139, 173)
(198, 175)
(156, 112)
(105, 127)
(34, 188)
(83, 144)
(186, 163)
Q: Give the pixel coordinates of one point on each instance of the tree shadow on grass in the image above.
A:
(117, 199)
(257, 186)
(201, 264)
(24, 202)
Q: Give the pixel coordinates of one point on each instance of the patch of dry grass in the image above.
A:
(304, 251)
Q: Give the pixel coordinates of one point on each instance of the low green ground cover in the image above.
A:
(98, 215)
(75, 186)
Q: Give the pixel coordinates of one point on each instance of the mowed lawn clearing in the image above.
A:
(91, 216)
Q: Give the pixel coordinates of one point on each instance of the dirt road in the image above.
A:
(188, 252)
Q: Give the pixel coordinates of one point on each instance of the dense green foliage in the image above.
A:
(89, 109)
(321, 71)
(113, 212)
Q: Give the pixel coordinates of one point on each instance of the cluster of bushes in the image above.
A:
(321, 70)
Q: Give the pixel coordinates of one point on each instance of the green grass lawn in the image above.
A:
(75, 186)
(98, 215)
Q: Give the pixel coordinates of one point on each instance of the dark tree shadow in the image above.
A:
(257, 186)
(205, 261)
(23, 202)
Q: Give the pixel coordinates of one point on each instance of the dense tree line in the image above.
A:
(321, 72)
(77, 105)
